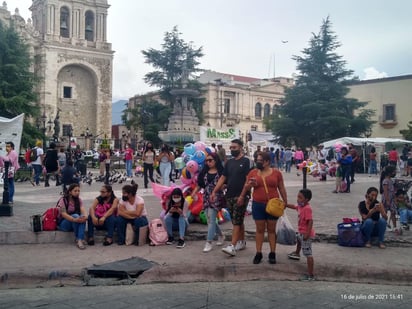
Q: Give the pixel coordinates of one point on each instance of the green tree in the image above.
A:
(407, 133)
(150, 117)
(316, 109)
(170, 62)
(17, 82)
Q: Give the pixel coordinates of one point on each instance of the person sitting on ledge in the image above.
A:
(374, 218)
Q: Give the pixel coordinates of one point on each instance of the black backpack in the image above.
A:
(33, 155)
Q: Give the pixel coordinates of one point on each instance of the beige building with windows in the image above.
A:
(234, 103)
(72, 58)
(391, 98)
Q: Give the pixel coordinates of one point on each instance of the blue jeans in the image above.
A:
(371, 228)
(78, 228)
(171, 222)
(121, 227)
(405, 215)
(38, 169)
(373, 167)
(287, 167)
(212, 226)
(108, 225)
(11, 189)
(165, 169)
(129, 168)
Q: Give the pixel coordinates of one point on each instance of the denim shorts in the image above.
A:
(259, 212)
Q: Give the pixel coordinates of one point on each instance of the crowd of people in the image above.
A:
(224, 183)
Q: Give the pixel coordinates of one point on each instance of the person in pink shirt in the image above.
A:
(299, 157)
(13, 158)
(306, 232)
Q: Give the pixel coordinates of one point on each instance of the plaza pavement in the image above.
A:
(31, 257)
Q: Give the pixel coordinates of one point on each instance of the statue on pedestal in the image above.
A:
(57, 126)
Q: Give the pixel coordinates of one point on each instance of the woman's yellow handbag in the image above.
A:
(275, 206)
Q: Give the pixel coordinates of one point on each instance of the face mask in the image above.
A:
(259, 165)
(301, 204)
(235, 153)
(125, 198)
(176, 199)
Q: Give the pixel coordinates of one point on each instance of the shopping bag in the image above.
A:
(285, 233)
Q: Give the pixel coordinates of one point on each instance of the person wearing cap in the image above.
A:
(38, 163)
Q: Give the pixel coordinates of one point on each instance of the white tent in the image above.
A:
(360, 141)
(10, 131)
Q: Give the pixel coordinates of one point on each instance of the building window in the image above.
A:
(226, 106)
(266, 110)
(258, 110)
(64, 22)
(389, 112)
(67, 130)
(89, 29)
(67, 92)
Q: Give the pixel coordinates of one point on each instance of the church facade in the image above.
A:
(73, 60)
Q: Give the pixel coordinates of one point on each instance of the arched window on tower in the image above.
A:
(64, 22)
(89, 29)
(258, 110)
(266, 110)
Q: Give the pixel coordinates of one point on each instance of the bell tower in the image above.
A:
(74, 61)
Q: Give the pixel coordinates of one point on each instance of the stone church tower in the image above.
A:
(68, 39)
(75, 62)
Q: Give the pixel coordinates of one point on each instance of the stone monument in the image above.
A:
(183, 126)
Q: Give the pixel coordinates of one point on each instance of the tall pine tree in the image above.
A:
(17, 82)
(316, 109)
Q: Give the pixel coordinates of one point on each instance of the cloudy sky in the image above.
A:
(245, 37)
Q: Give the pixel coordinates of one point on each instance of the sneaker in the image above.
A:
(180, 244)
(208, 247)
(307, 278)
(405, 227)
(220, 240)
(272, 258)
(229, 250)
(240, 245)
(258, 257)
(80, 244)
(294, 256)
(170, 241)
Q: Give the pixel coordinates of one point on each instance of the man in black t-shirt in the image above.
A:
(234, 176)
(374, 218)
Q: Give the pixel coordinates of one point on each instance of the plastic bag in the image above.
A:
(285, 233)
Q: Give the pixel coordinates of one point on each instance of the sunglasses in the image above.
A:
(103, 191)
(209, 160)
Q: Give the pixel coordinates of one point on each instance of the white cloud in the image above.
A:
(372, 73)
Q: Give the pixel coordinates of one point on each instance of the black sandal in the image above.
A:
(107, 243)
(90, 242)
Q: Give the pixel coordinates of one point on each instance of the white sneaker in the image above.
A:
(208, 247)
(240, 245)
(220, 240)
(229, 250)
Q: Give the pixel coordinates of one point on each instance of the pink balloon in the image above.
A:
(200, 146)
(192, 166)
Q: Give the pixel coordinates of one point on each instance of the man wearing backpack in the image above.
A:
(37, 164)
